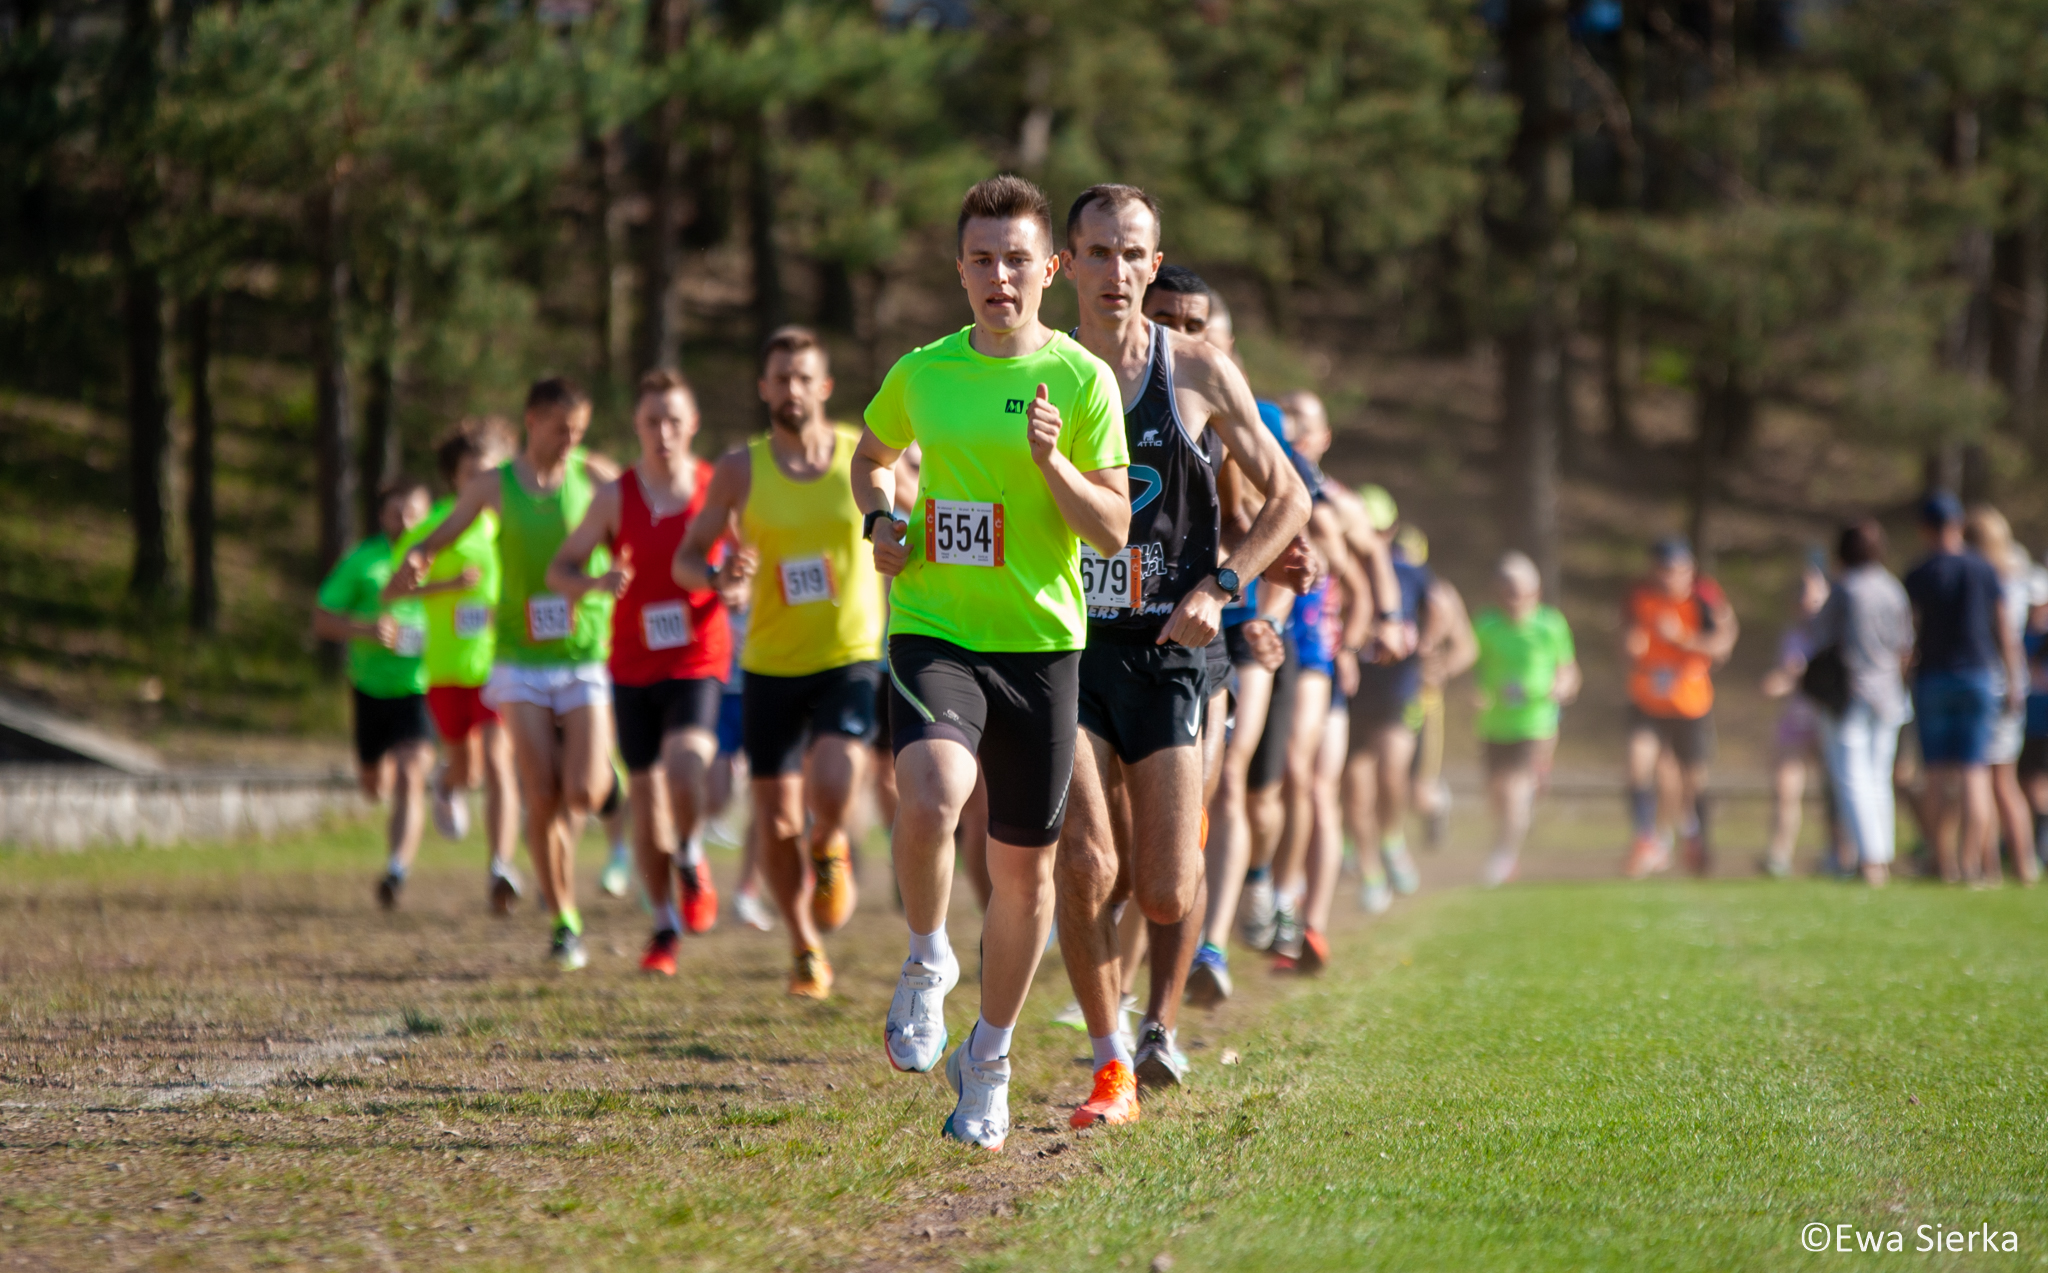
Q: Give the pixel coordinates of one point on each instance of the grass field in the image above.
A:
(226, 1058)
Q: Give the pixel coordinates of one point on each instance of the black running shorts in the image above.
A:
(1015, 711)
(1141, 697)
(782, 714)
(646, 714)
(1689, 739)
(1269, 758)
(1380, 703)
(384, 723)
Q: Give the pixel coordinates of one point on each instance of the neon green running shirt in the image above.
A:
(993, 566)
(353, 588)
(535, 626)
(461, 637)
(1517, 673)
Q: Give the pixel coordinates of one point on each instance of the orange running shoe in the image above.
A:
(1115, 1100)
(1315, 952)
(1646, 856)
(661, 953)
(700, 897)
(832, 900)
(812, 976)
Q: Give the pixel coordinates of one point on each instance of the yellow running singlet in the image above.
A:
(817, 598)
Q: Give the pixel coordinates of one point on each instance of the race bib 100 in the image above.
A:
(1112, 582)
(547, 617)
(960, 532)
(472, 620)
(665, 625)
(412, 641)
(806, 580)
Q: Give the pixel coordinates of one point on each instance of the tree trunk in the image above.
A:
(661, 340)
(1532, 348)
(131, 98)
(613, 327)
(2019, 317)
(1620, 317)
(1724, 408)
(770, 309)
(1569, 458)
(196, 318)
(1966, 346)
(380, 453)
(836, 310)
(334, 456)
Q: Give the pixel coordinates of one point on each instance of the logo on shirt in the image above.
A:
(1015, 406)
(1146, 484)
(1150, 437)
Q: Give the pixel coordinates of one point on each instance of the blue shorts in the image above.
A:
(730, 714)
(1955, 713)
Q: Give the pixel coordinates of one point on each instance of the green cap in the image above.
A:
(1380, 509)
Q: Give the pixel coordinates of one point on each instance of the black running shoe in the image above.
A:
(388, 889)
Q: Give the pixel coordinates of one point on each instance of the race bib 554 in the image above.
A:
(961, 532)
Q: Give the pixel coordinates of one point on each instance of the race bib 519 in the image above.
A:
(547, 617)
(1112, 582)
(961, 532)
(472, 620)
(665, 625)
(806, 580)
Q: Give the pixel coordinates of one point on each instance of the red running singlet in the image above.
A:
(659, 631)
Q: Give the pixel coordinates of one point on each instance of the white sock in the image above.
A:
(989, 1043)
(1110, 1049)
(392, 866)
(932, 949)
(667, 919)
(619, 850)
(500, 870)
(692, 851)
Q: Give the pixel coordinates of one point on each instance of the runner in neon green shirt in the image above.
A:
(549, 681)
(460, 596)
(385, 642)
(1527, 670)
(1022, 436)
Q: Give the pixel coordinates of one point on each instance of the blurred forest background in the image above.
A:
(1570, 272)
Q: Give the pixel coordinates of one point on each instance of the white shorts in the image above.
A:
(559, 687)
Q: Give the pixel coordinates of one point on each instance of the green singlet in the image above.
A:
(353, 589)
(1517, 673)
(461, 627)
(994, 567)
(535, 625)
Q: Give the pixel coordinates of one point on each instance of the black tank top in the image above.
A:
(1175, 515)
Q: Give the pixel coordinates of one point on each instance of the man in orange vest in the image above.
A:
(1677, 627)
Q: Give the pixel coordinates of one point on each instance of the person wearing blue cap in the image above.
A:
(1966, 670)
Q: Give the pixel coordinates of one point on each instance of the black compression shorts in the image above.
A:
(646, 714)
(1141, 697)
(782, 714)
(1017, 712)
(384, 723)
(1269, 758)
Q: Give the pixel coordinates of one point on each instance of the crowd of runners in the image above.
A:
(1076, 613)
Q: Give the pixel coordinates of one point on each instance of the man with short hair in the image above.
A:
(1678, 626)
(549, 681)
(1023, 451)
(387, 680)
(459, 598)
(1527, 671)
(1962, 645)
(670, 651)
(813, 649)
(1134, 822)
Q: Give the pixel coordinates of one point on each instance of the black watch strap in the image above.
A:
(867, 524)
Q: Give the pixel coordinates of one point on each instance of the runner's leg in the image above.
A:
(1167, 868)
(1229, 848)
(410, 763)
(536, 752)
(1326, 843)
(1089, 880)
(971, 837)
(586, 777)
(501, 795)
(778, 831)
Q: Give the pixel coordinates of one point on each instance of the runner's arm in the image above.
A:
(2015, 659)
(731, 481)
(1234, 414)
(1377, 558)
(329, 625)
(600, 523)
(1566, 686)
(1096, 505)
(461, 583)
(1451, 627)
(602, 468)
(480, 494)
(1720, 643)
(873, 475)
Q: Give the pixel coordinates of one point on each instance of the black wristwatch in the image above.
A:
(867, 524)
(1232, 586)
(1388, 616)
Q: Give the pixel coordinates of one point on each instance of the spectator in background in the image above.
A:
(1961, 646)
(2033, 763)
(1868, 622)
(1677, 627)
(1988, 534)
(1798, 736)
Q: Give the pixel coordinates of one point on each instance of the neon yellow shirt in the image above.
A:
(461, 636)
(993, 566)
(817, 599)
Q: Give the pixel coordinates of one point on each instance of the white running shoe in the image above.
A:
(752, 913)
(618, 873)
(1401, 870)
(983, 1115)
(1257, 921)
(451, 808)
(1159, 1062)
(1376, 897)
(915, 1035)
(1501, 866)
